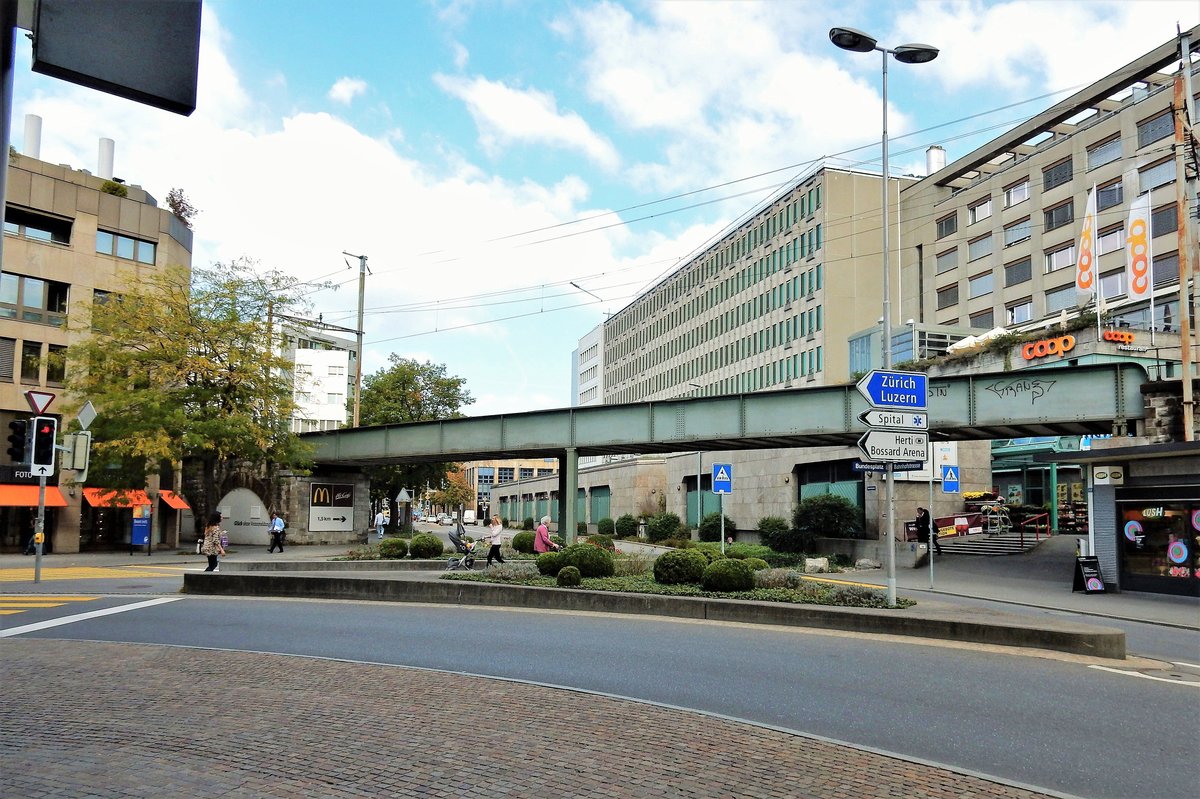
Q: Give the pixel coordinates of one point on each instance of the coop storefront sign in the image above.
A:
(1060, 345)
(1119, 336)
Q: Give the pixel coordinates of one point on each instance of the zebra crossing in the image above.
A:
(10, 604)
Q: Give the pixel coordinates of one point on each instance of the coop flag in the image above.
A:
(1138, 257)
(1085, 253)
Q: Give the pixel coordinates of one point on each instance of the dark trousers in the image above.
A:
(212, 563)
(276, 541)
(494, 552)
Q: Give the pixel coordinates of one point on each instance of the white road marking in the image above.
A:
(43, 625)
(1143, 676)
(1188, 665)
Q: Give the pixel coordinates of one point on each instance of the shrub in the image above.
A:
(626, 526)
(711, 554)
(425, 545)
(549, 563)
(581, 528)
(728, 574)
(528, 524)
(602, 541)
(504, 522)
(558, 539)
(393, 548)
(523, 542)
(678, 543)
(114, 188)
(606, 526)
(632, 565)
(662, 526)
(710, 527)
(568, 577)
(591, 561)
(756, 564)
(680, 566)
(827, 515)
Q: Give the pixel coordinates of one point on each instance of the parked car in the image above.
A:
(469, 517)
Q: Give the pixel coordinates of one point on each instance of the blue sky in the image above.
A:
(484, 155)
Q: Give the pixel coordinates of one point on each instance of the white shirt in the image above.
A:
(497, 531)
(277, 525)
(379, 522)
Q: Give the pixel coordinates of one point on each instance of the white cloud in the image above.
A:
(506, 117)
(346, 89)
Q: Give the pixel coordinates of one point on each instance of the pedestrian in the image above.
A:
(494, 537)
(541, 541)
(924, 534)
(380, 523)
(276, 530)
(212, 541)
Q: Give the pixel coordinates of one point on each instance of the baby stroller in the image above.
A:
(466, 550)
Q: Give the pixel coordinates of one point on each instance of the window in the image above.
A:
(1016, 193)
(31, 361)
(979, 211)
(1166, 269)
(1019, 312)
(1155, 128)
(1061, 298)
(947, 260)
(1060, 257)
(947, 297)
(39, 227)
(1113, 284)
(947, 226)
(1109, 195)
(1056, 175)
(1059, 215)
(303, 369)
(980, 285)
(1018, 272)
(984, 320)
(1159, 174)
(8, 351)
(1164, 220)
(979, 248)
(1104, 153)
(1110, 240)
(125, 247)
(31, 299)
(1017, 231)
(332, 398)
(56, 365)
(337, 370)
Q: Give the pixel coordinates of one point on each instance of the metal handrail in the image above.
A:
(1034, 520)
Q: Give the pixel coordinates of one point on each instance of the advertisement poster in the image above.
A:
(331, 507)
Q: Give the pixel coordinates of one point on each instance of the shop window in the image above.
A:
(1158, 541)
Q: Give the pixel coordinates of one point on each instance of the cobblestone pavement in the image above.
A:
(123, 720)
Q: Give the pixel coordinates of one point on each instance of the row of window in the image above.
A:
(305, 369)
(808, 363)
(125, 247)
(32, 299)
(33, 356)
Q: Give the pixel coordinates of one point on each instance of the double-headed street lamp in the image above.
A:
(858, 42)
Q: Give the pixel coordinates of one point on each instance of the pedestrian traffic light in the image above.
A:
(45, 437)
(18, 440)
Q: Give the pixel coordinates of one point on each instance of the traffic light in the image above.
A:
(18, 440)
(45, 437)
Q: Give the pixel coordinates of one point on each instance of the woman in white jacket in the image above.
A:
(494, 538)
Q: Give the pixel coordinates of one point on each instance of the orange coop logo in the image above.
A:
(1119, 336)
(1138, 243)
(1048, 346)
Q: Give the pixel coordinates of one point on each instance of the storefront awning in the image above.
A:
(115, 498)
(174, 500)
(26, 496)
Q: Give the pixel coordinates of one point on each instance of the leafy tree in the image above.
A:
(410, 391)
(181, 373)
(178, 202)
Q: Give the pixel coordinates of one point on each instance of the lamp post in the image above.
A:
(700, 479)
(858, 42)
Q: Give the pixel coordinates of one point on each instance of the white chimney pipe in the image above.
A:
(107, 147)
(33, 136)
(935, 159)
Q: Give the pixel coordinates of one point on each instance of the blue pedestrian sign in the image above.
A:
(949, 478)
(722, 478)
(889, 389)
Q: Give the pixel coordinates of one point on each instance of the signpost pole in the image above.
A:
(933, 528)
(39, 530)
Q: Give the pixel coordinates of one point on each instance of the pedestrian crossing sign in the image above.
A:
(949, 478)
(722, 478)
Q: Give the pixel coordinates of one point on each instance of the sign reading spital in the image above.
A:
(331, 507)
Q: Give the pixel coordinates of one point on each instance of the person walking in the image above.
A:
(212, 541)
(924, 534)
(380, 523)
(495, 532)
(276, 530)
(541, 541)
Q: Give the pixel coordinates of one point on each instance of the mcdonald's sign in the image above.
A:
(331, 507)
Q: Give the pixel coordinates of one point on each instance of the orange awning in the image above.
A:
(115, 498)
(174, 500)
(26, 496)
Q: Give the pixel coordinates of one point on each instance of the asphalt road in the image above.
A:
(1056, 724)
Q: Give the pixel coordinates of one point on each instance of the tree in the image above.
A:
(178, 202)
(181, 372)
(410, 391)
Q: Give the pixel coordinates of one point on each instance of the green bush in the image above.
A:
(425, 545)
(728, 574)
(678, 543)
(523, 542)
(827, 515)
(568, 577)
(756, 564)
(114, 188)
(662, 526)
(528, 524)
(393, 548)
(504, 522)
(549, 563)
(710, 527)
(680, 566)
(581, 528)
(602, 541)
(591, 561)
(606, 526)
(626, 526)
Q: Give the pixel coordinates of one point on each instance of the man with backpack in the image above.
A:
(277, 532)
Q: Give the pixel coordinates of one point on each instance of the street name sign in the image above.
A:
(894, 446)
(903, 466)
(722, 478)
(897, 390)
(895, 420)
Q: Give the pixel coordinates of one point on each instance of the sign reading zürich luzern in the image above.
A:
(894, 445)
(890, 389)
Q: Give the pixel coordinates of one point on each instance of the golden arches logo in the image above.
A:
(1138, 243)
(321, 495)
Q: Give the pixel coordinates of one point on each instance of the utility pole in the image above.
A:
(1182, 130)
(362, 288)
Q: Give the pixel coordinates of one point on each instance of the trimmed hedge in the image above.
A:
(626, 526)
(523, 542)
(528, 524)
(663, 526)
(602, 541)
(393, 548)
(756, 564)
(728, 575)
(425, 545)
(550, 563)
(606, 526)
(680, 566)
(568, 577)
(591, 561)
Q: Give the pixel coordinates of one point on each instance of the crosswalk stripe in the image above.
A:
(82, 573)
(42, 625)
(15, 606)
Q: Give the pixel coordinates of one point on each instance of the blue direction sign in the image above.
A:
(890, 389)
(949, 478)
(722, 478)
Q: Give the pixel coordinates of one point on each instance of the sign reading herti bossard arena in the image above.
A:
(893, 445)
(331, 507)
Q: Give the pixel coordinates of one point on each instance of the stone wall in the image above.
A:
(1164, 406)
(295, 491)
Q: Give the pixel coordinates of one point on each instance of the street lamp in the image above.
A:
(700, 479)
(858, 42)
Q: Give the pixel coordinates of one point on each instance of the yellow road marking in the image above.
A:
(79, 573)
(23, 605)
(46, 598)
(840, 582)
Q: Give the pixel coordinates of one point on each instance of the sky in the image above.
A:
(514, 170)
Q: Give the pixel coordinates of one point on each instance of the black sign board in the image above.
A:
(1087, 575)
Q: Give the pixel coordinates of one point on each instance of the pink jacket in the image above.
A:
(541, 541)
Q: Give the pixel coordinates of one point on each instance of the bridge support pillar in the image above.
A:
(568, 488)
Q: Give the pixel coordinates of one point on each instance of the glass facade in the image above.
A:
(1158, 544)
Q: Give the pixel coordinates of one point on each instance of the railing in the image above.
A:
(1037, 522)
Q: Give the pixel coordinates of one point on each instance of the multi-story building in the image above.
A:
(481, 476)
(323, 373)
(69, 241)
